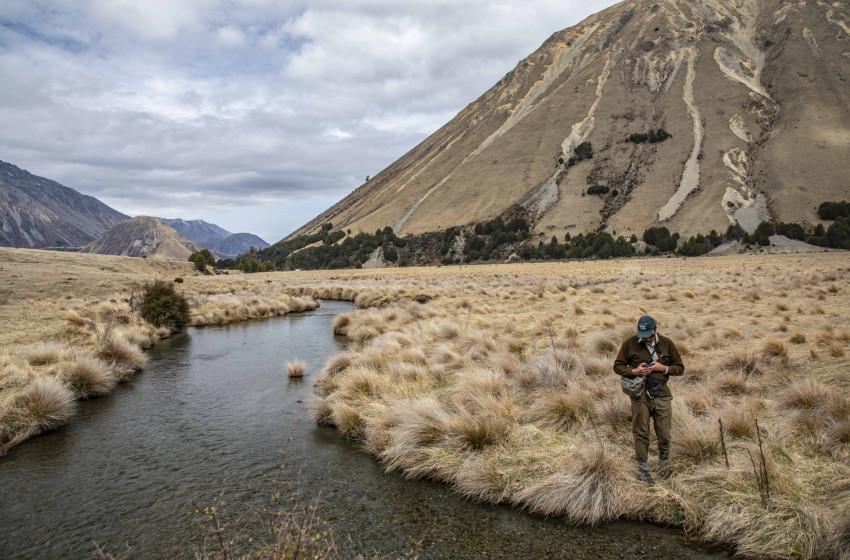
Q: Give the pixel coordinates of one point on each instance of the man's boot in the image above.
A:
(643, 474)
(664, 465)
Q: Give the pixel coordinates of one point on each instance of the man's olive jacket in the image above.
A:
(633, 352)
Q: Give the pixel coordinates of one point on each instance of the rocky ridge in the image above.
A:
(39, 213)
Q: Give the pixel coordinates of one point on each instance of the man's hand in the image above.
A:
(643, 370)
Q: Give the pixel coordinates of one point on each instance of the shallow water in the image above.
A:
(210, 414)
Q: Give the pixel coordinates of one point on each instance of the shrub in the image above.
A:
(202, 258)
(661, 238)
(833, 210)
(598, 189)
(582, 152)
(653, 137)
(838, 234)
(162, 306)
(791, 231)
(390, 254)
(762, 234)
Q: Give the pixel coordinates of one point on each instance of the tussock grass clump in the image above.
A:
(732, 383)
(42, 406)
(597, 366)
(559, 409)
(48, 404)
(479, 430)
(798, 337)
(603, 343)
(836, 350)
(699, 400)
(614, 411)
(745, 363)
(482, 477)
(774, 347)
(14, 376)
(807, 394)
(125, 357)
(696, 440)
(296, 368)
(73, 317)
(142, 338)
(340, 323)
(88, 376)
(740, 423)
(591, 490)
(320, 411)
(837, 439)
(337, 364)
(346, 418)
(45, 354)
(783, 530)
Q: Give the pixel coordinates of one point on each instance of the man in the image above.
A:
(655, 358)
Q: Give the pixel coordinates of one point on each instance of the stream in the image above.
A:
(211, 414)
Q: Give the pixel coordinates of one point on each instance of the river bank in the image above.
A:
(72, 330)
(496, 380)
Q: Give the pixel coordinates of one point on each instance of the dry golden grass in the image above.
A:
(88, 376)
(496, 380)
(296, 368)
(504, 388)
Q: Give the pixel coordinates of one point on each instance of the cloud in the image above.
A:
(197, 108)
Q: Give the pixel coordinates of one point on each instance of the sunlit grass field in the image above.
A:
(497, 379)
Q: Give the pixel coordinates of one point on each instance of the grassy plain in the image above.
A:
(497, 379)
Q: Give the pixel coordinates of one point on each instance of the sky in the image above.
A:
(255, 115)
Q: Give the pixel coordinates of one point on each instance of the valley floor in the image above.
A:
(497, 379)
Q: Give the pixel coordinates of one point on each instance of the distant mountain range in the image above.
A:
(224, 244)
(143, 236)
(40, 213)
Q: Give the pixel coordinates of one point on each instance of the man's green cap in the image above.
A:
(646, 325)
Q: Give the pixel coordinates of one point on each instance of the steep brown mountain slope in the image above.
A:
(40, 213)
(754, 92)
(143, 236)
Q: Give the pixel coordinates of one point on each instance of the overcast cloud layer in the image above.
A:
(253, 114)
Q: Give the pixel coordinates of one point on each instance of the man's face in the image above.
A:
(650, 337)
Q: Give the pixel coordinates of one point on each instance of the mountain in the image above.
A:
(203, 233)
(143, 236)
(237, 244)
(691, 114)
(39, 213)
(224, 244)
